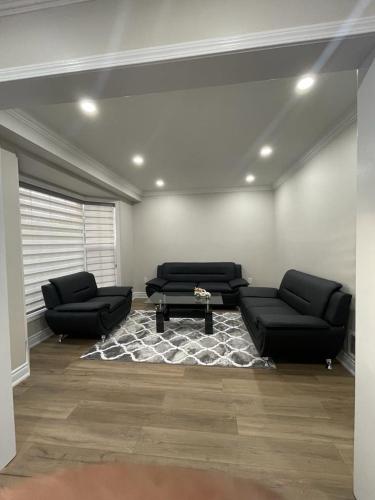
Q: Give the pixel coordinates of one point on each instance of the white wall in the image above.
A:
(13, 249)
(124, 214)
(7, 429)
(315, 211)
(99, 27)
(364, 442)
(235, 227)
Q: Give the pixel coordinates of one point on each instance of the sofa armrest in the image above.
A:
(263, 292)
(238, 282)
(292, 321)
(157, 282)
(82, 307)
(113, 291)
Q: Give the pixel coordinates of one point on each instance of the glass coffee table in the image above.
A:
(184, 305)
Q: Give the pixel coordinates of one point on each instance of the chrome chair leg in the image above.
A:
(329, 364)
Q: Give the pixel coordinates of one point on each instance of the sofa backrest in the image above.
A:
(77, 287)
(306, 293)
(199, 271)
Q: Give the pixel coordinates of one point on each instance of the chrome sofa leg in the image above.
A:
(60, 338)
(329, 364)
(103, 337)
(266, 362)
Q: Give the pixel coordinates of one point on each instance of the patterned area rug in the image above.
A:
(183, 342)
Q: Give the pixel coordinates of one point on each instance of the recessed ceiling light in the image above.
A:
(88, 106)
(305, 83)
(266, 151)
(138, 160)
(159, 183)
(250, 178)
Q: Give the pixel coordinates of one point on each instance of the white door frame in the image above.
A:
(7, 427)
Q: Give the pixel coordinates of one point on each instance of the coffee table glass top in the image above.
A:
(179, 298)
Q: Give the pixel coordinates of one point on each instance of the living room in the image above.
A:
(222, 206)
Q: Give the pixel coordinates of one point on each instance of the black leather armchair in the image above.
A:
(304, 320)
(215, 277)
(76, 306)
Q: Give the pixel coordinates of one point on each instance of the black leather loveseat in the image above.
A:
(76, 306)
(304, 320)
(215, 277)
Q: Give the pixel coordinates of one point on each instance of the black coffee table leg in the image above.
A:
(208, 323)
(159, 320)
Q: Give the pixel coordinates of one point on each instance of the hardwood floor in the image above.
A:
(290, 428)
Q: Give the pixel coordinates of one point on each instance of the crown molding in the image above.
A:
(49, 141)
(197, 48)
(205, 191)
(11, 7)
(348, 120)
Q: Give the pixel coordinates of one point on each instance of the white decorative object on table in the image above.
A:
(201, 293)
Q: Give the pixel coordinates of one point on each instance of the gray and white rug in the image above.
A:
(183, 342)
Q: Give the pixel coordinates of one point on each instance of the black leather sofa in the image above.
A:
(77, 307)
(304, 320)
(215, 277)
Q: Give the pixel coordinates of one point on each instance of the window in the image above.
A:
(100, 244)
(62, 236)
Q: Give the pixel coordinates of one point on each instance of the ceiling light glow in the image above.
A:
(266, 151)
(305, 83)
(250, 178)
(159, 183)
(88, 106)
(138, 160)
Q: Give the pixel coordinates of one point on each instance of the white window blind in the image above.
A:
(100, 243)
(61, 236)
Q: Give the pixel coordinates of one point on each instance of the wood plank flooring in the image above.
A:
(290, 428)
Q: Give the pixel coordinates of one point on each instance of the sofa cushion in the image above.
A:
(112, 302)
(219, 287)
(253, 312)
(306, 293)
(256, 291)
(290, 322)
(264, 302)
(179, 286)
(77, 287)
(198, 271)
(82, 307)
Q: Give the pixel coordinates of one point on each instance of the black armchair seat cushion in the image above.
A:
(292, 321)
(179, 286)
(304, 320)
(82, 307)
(76, 306)
(111, 303)
(219, 287)
(114, 291)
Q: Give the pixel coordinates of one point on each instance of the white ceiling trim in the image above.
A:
(42, 137)
(348, 120)
(198, 191)
(197, 48)
(11, 7)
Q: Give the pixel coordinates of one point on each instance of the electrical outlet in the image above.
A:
(250, 280)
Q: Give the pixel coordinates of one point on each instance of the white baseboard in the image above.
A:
(39, 337)
(139, 295)
(20, 373)
(347, 362)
